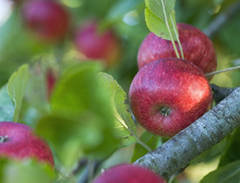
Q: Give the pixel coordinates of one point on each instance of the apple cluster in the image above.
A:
(51, 22)
(168, 94)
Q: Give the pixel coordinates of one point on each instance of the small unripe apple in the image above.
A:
(169, 94)
(51, 79)
(19, 142)
(127, 173)
(48, 19)
(98, 44)
(197, 48)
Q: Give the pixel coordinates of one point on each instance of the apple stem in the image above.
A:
(221, 71)
(3, 139)
(169, 31)
(177, 36)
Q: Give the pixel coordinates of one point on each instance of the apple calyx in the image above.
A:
(3, 139)
(163, 110)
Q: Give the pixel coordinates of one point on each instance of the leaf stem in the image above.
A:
(168, 27)
(221, 71)
(142, 144)
(177, 36)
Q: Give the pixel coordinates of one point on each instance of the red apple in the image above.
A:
(127, 173)
(167, 95)
(19, 142)
(46, 18)
(197, 48)
(96, 44)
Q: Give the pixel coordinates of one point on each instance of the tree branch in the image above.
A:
(222, 19)
(174, 155)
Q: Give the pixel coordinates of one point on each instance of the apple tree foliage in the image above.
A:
(88, 117)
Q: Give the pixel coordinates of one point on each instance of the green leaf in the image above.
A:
(160, 18)
(226, 174)
(17, 85)
(36, 95)
(27, 171)
(232, 151)
(152, 141)
(156, 7)
(82, 119)
(6, 105)
(158, 25)
(119, 102)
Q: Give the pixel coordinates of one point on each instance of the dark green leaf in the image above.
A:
(226, 174)
(232, 150)
(3, 163)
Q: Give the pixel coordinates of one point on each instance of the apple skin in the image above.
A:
(48, 19)
(21, 143)
(127, 173)
(197, 48)
(95, 44)
(169, 94)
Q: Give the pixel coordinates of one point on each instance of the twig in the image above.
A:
(90, 171)
(80, 165)
(174, 155)
(222, 19)
(222, 71)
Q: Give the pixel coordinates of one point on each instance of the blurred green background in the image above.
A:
(126, 17)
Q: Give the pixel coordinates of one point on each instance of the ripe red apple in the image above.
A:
(96, 44)
(48, 19)
(169, 94)
(197, 48)
(18, 141)
(127, 173)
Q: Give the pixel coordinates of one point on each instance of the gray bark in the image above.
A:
(175, 154)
